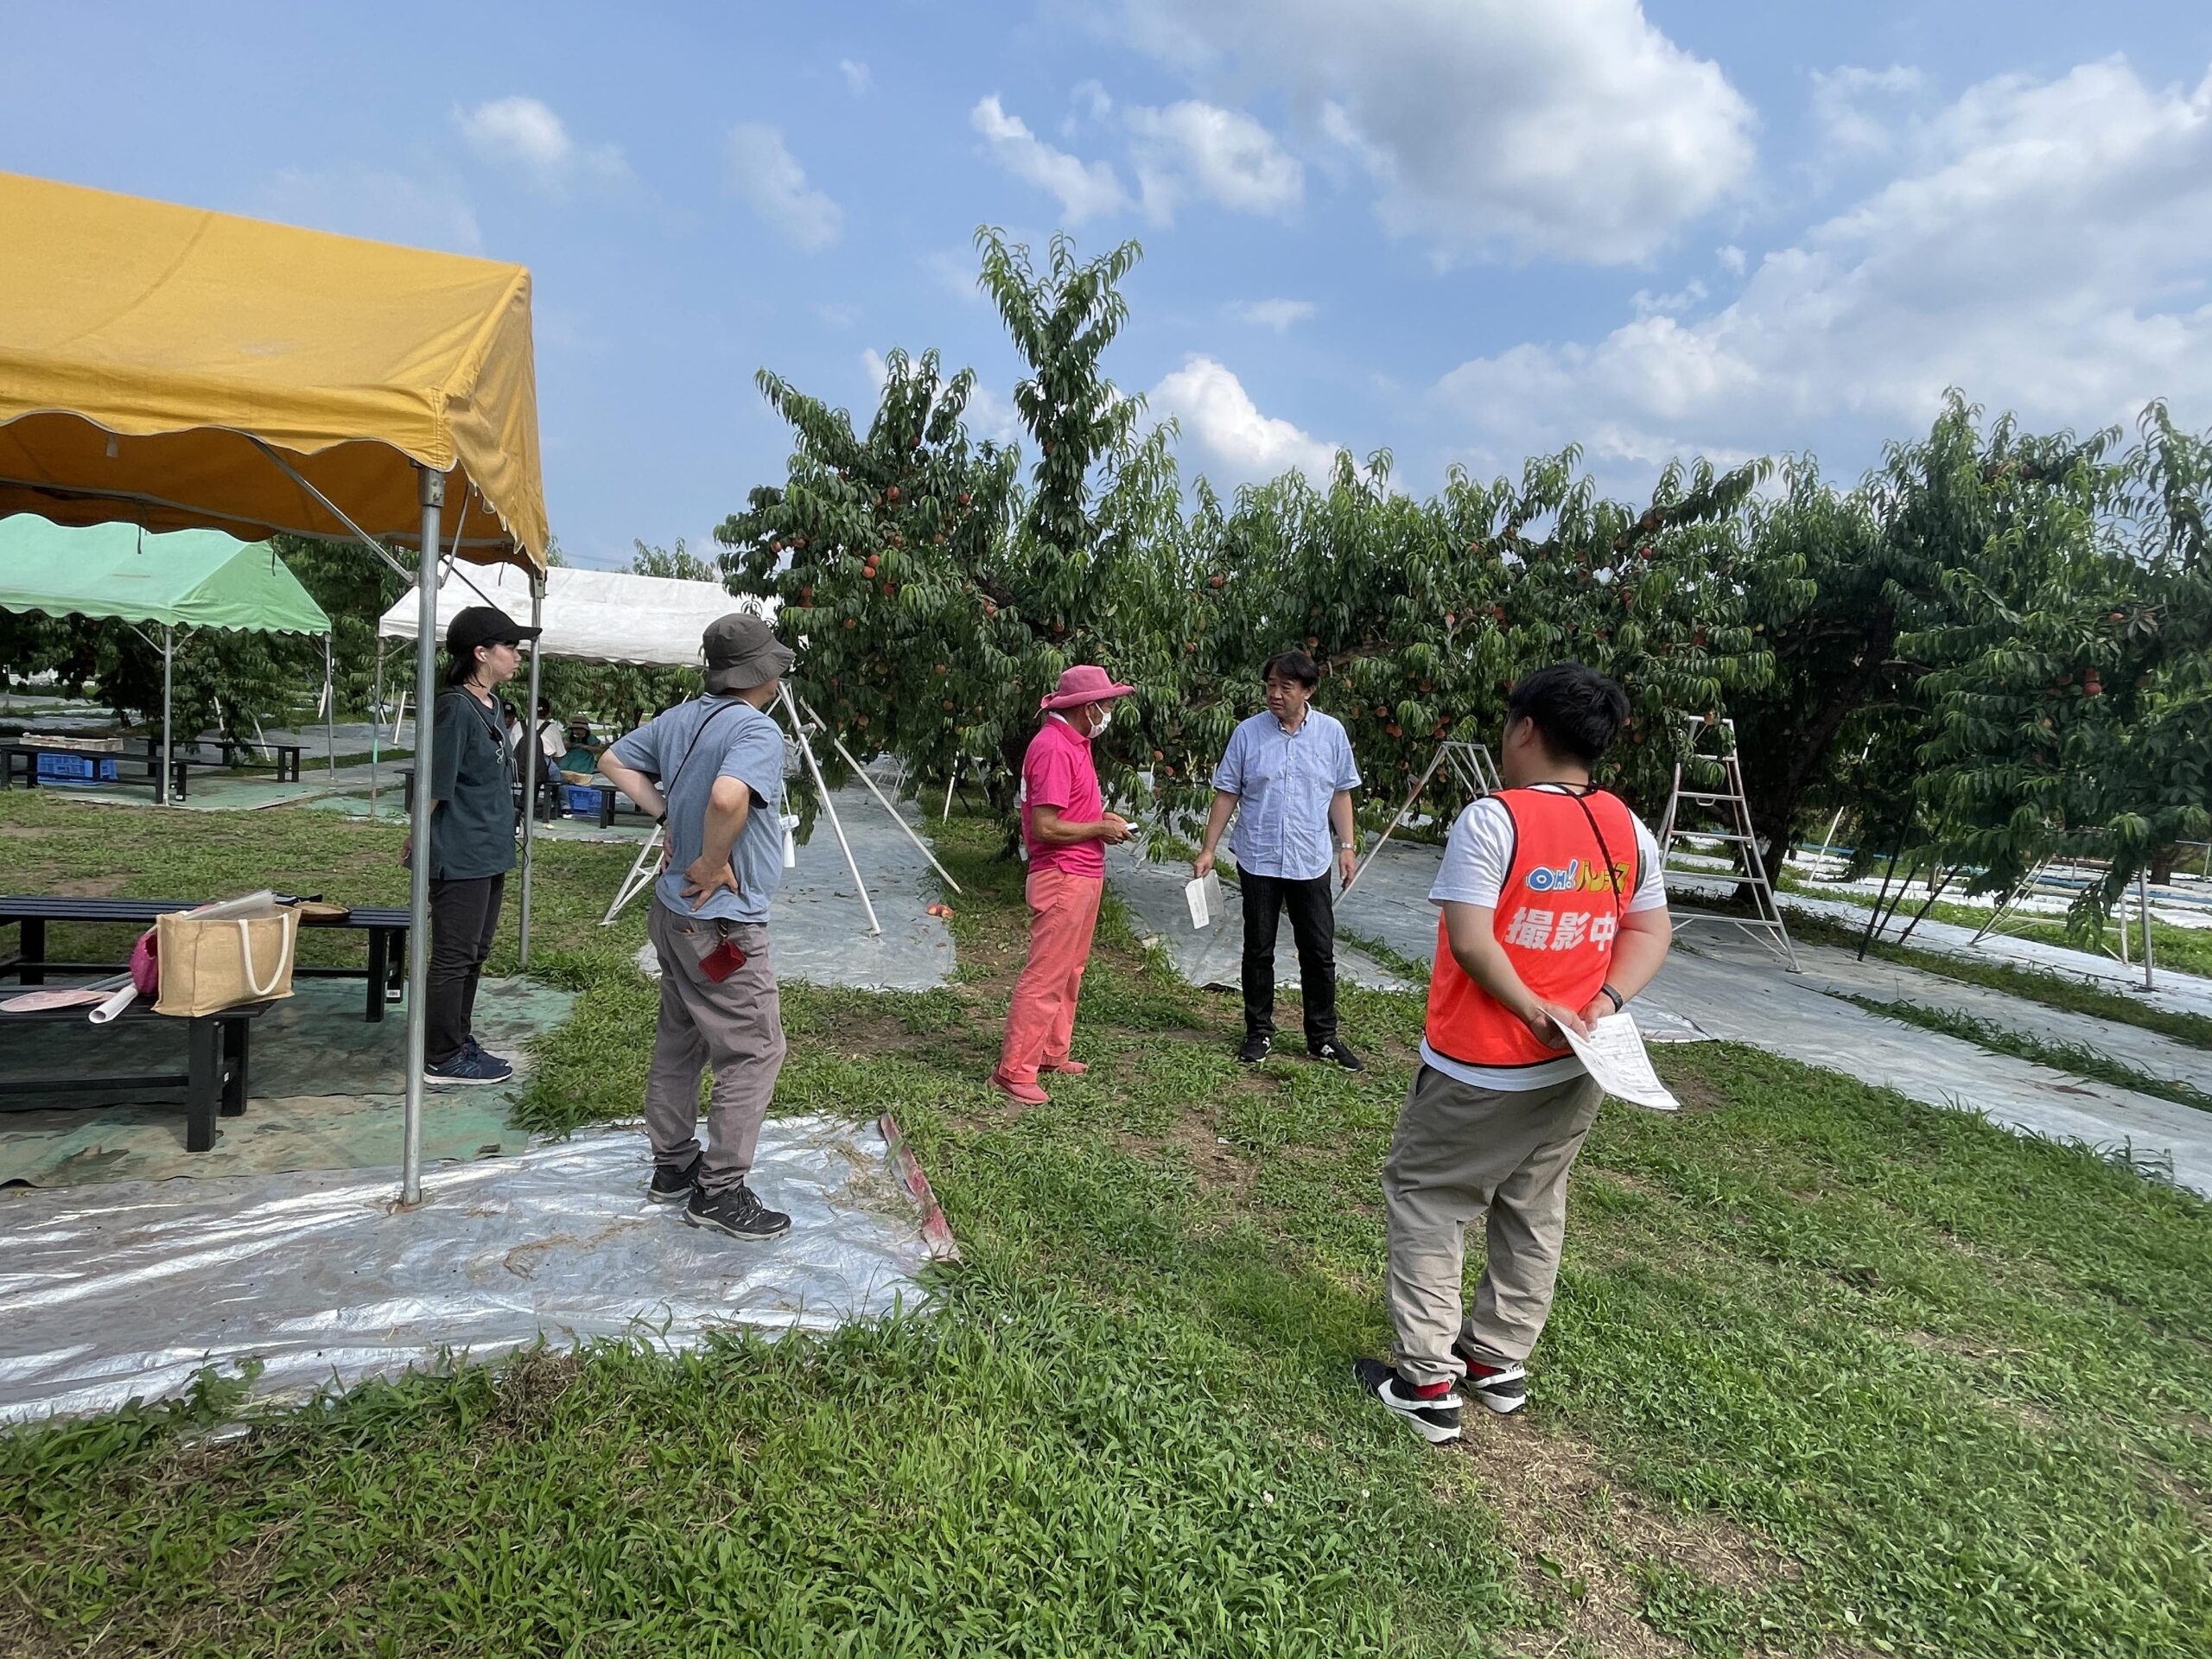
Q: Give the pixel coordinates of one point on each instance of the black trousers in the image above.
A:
(464, 920)
(1313, 926)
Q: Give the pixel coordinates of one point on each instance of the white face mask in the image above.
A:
(1105, 719)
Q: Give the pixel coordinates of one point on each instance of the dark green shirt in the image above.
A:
(473, 781)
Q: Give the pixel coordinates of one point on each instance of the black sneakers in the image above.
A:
(1433, 1410)
(1503, 1388)
(674, 1186)
(1253, 1049)
(1337, 1052)
(738, 1213)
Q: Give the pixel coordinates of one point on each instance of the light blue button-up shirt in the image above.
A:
(1284, 782)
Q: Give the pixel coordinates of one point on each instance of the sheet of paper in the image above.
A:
(1613, 1053)
(1203, 894)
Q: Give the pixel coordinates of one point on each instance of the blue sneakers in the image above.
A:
(471, 1064)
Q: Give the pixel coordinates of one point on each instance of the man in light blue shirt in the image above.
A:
(1287, 776)
(712, 771)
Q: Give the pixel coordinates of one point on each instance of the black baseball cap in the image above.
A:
(484, 624)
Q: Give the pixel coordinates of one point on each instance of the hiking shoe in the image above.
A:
(674, 1186)
(1336, 1052)
(469, 1066)
(1028, 1094)
(1432, 1410)
(1253, 1050)
(737, 1211)
(1503, 1388)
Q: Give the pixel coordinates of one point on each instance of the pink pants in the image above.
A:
(1062, 915)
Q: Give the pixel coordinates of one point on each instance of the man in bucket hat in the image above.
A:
(712, 770)
(1066, 829)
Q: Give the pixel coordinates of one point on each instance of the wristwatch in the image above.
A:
(1619, 1001)
(1348, 846)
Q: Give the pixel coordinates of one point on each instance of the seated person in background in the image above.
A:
(583, 754)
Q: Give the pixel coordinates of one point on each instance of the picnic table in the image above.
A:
(386, 929)
(286, 762)
(214, 1077)
(606, 793)
(20, 756)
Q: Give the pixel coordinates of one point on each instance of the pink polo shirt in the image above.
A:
(1058, 771)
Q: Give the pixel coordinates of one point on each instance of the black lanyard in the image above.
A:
(1580, 797)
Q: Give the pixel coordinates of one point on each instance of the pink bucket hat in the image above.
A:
(1082, 684)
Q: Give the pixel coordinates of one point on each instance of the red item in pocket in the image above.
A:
(719, 964)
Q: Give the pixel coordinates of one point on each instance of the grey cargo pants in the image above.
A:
(734, 1027)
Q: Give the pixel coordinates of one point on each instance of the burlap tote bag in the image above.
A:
(220, 956)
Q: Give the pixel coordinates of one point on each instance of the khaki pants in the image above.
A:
(735, 1025)
(1462, 1154)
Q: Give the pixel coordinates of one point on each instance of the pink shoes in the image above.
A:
(1028, 1094)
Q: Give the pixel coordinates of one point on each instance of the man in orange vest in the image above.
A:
(1554, 914)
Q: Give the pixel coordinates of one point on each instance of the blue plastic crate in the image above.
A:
(581, 798)
(76, 768)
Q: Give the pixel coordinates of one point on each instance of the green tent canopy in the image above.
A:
(174, 579)
(177, 579)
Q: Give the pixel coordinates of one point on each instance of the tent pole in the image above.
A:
(532, 785)
(798, 730)
(431, 491)
(376, 730)
(168, 739)
(329, 709)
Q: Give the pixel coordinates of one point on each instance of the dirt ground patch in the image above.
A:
(1576, 1534)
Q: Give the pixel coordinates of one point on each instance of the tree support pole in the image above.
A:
(534, 785)
(813, 770)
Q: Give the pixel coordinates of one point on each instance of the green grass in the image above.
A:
(1830, 1372)
(2054, 990)
(2079, 1058)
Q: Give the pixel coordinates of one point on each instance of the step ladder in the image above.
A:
(1728, 818)
(1470, 763)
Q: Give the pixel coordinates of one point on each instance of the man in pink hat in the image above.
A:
(1067, 828)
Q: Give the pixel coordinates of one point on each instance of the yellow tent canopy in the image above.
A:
(145, 347)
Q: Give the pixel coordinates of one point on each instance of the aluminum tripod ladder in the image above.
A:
(1471, 764)
(1731, 815)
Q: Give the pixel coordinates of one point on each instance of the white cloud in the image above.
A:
(874, 366)
(524, 133)
(1278, 314)
(955, 273)
(1216, 413)
(1855, 108)
(837, 315)
(2045, 249)
(1731, 259)
(770, 178)
(859, 78)
(1221, 155)
(1574, 128)
(1085, 189)
(384, 207)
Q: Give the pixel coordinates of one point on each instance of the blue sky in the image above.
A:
(1462, 230)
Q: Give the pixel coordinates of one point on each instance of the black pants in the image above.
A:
(464, 920)
(1313, 925)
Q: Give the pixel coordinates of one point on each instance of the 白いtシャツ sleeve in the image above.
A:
(639, 750)
(1048, 770)
(754, 756)
(1651, 881)
(447, 735)
(1229, 776)
(1476, 855)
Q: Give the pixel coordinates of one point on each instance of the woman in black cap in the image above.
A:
(473, 775)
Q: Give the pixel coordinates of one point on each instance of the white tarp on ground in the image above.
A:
(128, 1289)
(591, 616)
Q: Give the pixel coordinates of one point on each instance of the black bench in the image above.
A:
(22, 759)
(213, 1079)
(386, 927)
(287, 761)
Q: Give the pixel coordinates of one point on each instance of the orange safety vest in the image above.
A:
(1558, 913)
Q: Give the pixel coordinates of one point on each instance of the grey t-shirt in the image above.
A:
(734, 740)
(472, 780)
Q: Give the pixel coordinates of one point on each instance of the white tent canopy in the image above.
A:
(592, 616)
